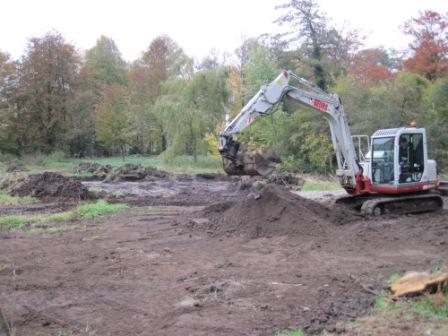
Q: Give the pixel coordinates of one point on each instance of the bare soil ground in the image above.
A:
(177, 269)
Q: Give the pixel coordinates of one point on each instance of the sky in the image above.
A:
(198, 26)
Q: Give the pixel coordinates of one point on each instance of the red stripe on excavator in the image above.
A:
(401, 189)
(320, 105)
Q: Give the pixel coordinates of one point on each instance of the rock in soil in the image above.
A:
(49, 185)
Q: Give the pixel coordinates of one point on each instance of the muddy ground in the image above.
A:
(174, 269)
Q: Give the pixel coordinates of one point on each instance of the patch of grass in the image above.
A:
(97, 209)
(298, 332)
(388, 317)
(180, 164)
(320, 185)
(60, 217)
(394, 277)
(425, 307)
(16, 221)
(6, 199)
(86, 211)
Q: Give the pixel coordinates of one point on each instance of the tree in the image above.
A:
(163, 60)
(258, 70)
(190, 109)
(113, 119)
(9, 123)
(105, 63)
(429, 45)
(323, 48)
(310, 29)
(370, 66)
(437, 109)
(47, 82)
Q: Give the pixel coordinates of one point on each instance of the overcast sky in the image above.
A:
(197, 25)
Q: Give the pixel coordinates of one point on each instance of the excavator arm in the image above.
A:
(238, 161)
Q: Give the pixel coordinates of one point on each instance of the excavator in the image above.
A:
(395, 176)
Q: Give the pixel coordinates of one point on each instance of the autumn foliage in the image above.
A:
(93, 102)
(430, 45)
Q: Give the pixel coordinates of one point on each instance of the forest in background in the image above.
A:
(93, 103)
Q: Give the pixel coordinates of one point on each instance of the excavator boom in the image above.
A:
(397, 176)
(238, 160)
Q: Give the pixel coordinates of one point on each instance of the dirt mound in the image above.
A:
(50, 186)
(290, 180)
(97, 170)
(127, 172)
(274, 211)
(132, 172)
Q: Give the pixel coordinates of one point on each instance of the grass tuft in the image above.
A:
(6, 199)
(97, 209)
(83, 212)
(15, 221)
(320, 185)
(394, 277)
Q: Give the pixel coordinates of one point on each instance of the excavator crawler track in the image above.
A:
(403, 204)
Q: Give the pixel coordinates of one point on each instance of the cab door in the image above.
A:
(410, 158)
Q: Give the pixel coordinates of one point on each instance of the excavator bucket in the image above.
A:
(250, 162)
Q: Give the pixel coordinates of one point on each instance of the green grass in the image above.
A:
(320, 185)
(6, 199)
(96, 210)
(388, 317)
(180, 164)
(15, 221)
(87, 211)
(394, 277)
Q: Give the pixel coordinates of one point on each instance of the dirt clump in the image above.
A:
(289, 180)
(50, 186)
(97, 170)
(127, 172)
(274, 211)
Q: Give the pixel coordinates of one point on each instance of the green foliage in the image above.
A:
(394, 277)
(87, 211)
(320, 185)
(113, 119)
(259, 70)
(421, 306)
(96, 210)
(6, 199)
(105, 61)
(15, 221)
(54, 99)
(190, 109)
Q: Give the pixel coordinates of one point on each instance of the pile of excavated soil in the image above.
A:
(290, 180)
(49, 185)
(127, 172)
(274, 211)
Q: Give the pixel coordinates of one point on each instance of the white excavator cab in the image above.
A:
(398, 161)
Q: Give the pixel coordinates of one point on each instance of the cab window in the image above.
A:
(383, 160)
(410, 158)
